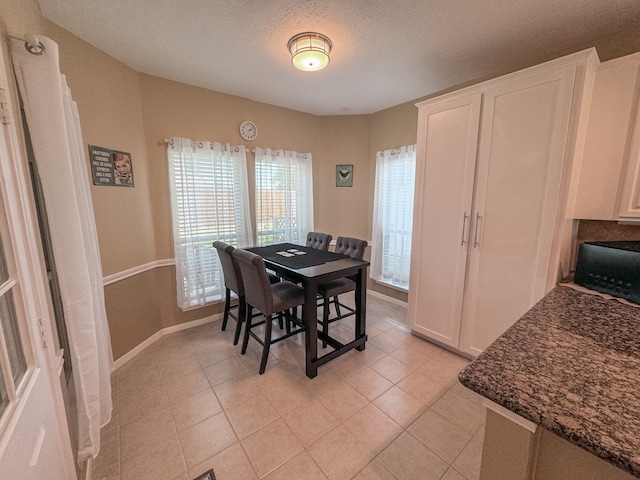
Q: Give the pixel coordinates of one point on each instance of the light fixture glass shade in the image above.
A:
(309, 51)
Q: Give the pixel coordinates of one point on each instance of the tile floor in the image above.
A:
(190, 402)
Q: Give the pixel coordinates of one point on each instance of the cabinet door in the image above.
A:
(630, 196)
(524, 130)
(446, 158)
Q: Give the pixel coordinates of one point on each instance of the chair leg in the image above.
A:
(247, 327)
(267, 343)
(242, 310)
(227, 305)
(325, 320)
(336, 305)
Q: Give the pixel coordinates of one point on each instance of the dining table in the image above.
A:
(309, 268)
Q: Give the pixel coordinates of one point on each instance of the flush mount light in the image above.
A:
(309, 51)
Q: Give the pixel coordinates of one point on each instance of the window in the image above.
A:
(13, 364)
(209, 201)
(393, 216)
(284, 196)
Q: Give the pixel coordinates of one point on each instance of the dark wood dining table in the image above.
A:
(310, 268)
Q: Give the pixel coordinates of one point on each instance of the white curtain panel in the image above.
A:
(209, 202)
(54, 126)
(393, 216)
(284, 196)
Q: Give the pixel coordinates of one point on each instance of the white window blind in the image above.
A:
(393, 216)
(209, 201)
(284, 196)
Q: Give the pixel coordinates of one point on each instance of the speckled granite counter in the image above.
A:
(572, 366)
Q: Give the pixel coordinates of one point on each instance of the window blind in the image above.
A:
(393, 216)
(209, 200)
(284, 196)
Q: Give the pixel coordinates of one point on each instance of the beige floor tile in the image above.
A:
(109, 450)
(271, 446)
(106, 472)
(392, 368)
(422, 388)
(468, 462)
(164, 460)
(452, 474)
(212, 356)
(460, 411)
(372, 354)
(374, 471)
(440, 435)
(150, 379)
(385, 342)
(369, 383)
(300, 467)
(373, 428)
(464, 392)
(236, 391)
(142, 403)
(181, 368)
(309, 421)
(251, 415)
(206, 438)
(286, 396)
(408, 459)
(400, 406)
(230, 464)
(415, 354)
(273, 377)
(179, 388)
(444, 367)
(224, 371)
(194, 409)
(339, 454)
(140, 436)
(323, 382)
(347, 364)
(342, 400)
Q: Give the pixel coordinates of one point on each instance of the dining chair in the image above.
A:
(354, 248)
(233, 283)
(318, 240)
(268, 298)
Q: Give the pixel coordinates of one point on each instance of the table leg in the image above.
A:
(361, 305)
(309, 314)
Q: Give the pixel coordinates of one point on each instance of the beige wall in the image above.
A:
(124, 110)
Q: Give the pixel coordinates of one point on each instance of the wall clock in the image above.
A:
(248, 130)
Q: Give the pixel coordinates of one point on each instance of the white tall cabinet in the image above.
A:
(492, 183)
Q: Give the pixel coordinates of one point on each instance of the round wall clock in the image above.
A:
(248, 130)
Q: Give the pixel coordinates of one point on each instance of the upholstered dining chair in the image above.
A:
(233, 283)
(319, 241)
(268, 298)
(354, 248)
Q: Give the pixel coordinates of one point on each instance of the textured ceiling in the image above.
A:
(385, 52)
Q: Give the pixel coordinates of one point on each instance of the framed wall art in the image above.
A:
(344, 175)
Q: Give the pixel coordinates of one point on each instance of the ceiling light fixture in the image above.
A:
(309, 51)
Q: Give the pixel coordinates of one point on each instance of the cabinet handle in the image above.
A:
(476, 243)
(465, 217)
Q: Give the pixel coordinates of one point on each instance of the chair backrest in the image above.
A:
(257, 287)
(230, 268)
(351, 246)
(318, 241)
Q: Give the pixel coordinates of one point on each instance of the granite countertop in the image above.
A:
(571, 365)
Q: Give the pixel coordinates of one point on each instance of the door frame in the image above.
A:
(29, 255)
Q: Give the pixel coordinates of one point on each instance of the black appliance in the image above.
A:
(610, 267)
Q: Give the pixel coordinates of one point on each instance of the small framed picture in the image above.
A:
(344, 175)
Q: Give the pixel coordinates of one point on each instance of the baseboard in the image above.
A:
(158, 335)
(387, 298)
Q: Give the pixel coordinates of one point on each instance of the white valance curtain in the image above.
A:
(284, 196)
(54, 127)
(209, 202)
(393, 216)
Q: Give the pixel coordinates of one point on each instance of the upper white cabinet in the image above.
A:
(607, 189)
(492, 185)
